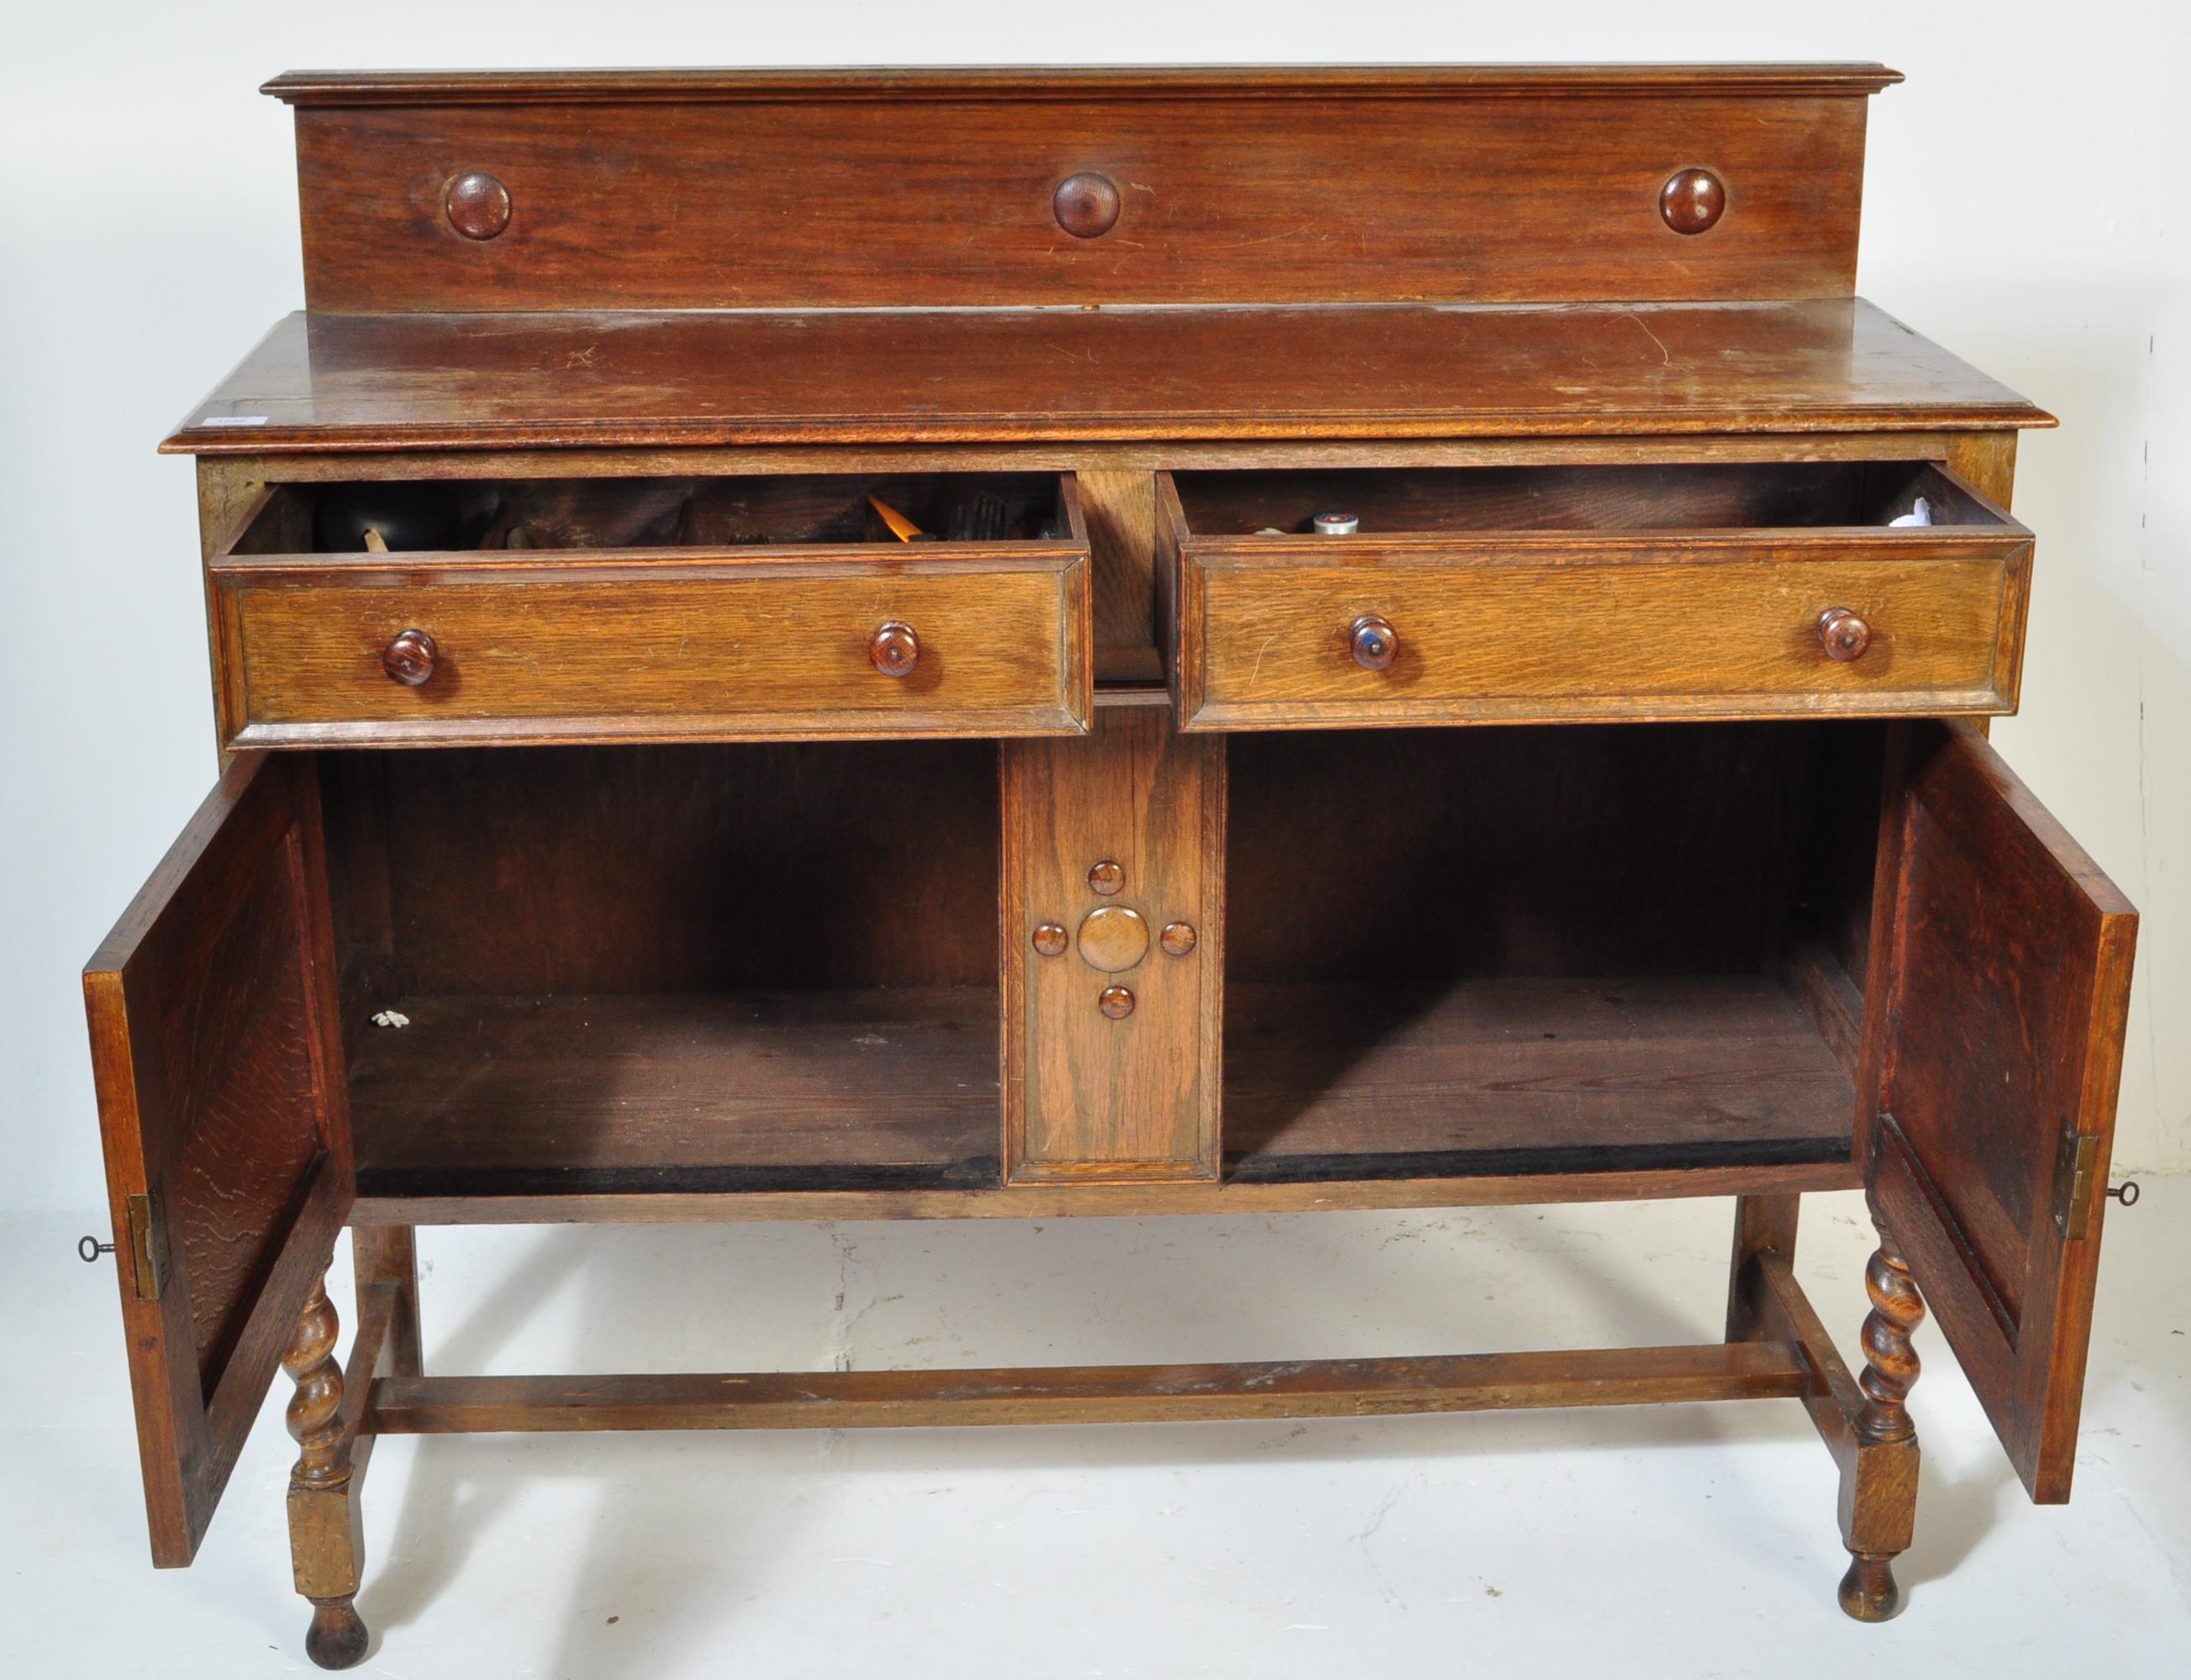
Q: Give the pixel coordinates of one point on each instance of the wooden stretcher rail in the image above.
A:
(1091, 1394)
(1783, 1311)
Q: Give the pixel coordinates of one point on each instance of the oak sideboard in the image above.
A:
(883, 645)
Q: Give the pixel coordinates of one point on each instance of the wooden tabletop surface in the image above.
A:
(711, 378)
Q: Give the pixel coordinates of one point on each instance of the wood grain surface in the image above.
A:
(2003, 986)
(1121, 510)
(1088, 1096)
(1581, 592)
(632, 380)
(1546, 852)
(939, 188)
(1103, 1200)
(1541, 628)
(1507, 1076)
(772, 866)
(887, 1088)
(1092, 1394)
(219, 1065)
(649, 643)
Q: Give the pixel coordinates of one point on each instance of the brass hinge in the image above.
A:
(2074, 1157)
(148, 1244)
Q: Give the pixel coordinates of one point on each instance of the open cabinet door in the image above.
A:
(218, 1056)
(1995, 1044)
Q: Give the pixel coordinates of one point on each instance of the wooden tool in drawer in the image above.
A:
(725, 609)
(1574, 593)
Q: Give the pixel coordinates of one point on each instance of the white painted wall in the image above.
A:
(2027, 206)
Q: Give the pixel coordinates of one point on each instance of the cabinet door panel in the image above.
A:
(1994, 1053)
(218, 1062)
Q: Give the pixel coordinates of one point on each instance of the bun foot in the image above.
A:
(337, 1637)
(1868, 1590)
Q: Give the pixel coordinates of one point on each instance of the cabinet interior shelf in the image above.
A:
(897, 1089)
(881, 1089)
(1512, 1076)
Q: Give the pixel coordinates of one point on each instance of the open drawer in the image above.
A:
(1573, 593)
(632, 609)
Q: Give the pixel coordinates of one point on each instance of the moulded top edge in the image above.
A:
(1169, 82)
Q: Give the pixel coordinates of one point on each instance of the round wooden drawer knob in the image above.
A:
(1178, 938)
(477, 205)
(1113, 939)
(1843, 635)
(1693, 201)
(409, 659)
(1086, 205)
(1107, 877)
(1051, 939)
(894, 650)
(1116, 1002)
(1372, 641)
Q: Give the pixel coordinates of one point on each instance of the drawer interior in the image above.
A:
(1704, 496)
(796, 510)
(699, 968)
(1606, 948)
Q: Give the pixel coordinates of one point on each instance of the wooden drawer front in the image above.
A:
(1287, 630)
(655, 645)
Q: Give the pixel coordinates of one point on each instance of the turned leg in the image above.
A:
(325, 1544)
(1880, 1496)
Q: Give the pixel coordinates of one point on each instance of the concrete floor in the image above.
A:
(1684, 1541)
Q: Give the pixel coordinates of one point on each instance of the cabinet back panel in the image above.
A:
(1839, 846)
(677, 869)
(1541, 851)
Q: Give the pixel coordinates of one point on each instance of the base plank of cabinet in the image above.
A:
(885, 1102)
(381, 1207)
(879, 1089)
(1507, 1076)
